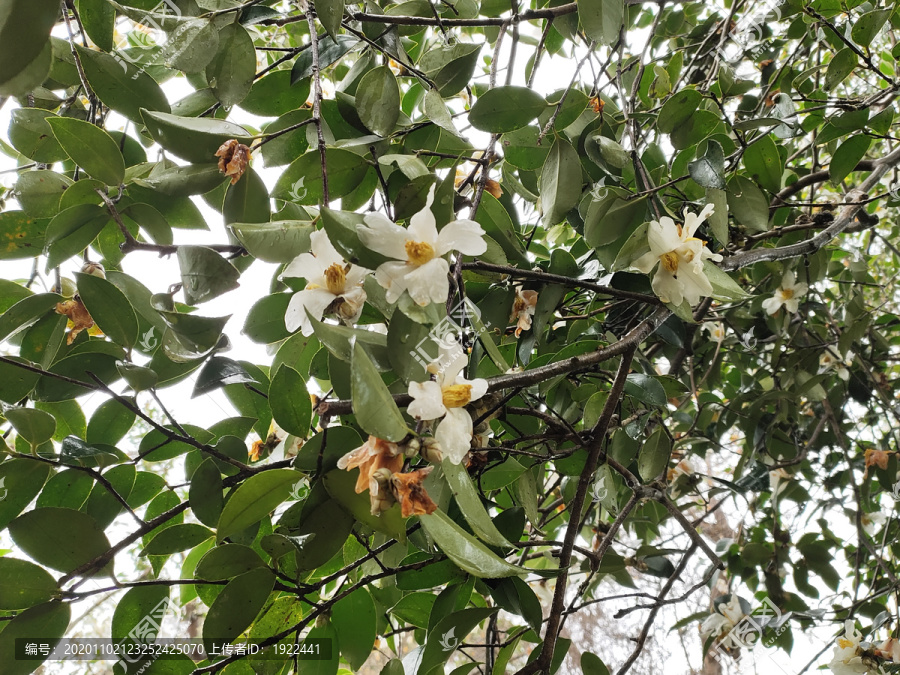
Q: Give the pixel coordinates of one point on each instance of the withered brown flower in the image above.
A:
(233, 159)
(876, 458)
(79, 318)
(371, 456)
(414, 500)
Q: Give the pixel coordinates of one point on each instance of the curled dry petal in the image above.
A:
(877, 458)
(78, 315)
(408, 489)
(234, 158)
(371, 456)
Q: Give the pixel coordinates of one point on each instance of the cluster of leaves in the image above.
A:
(585, 479)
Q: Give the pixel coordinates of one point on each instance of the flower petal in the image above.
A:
(771, 305)
(324, 251)
(663, 236)
(465, 236)
(305, 266)
(392, 277)
(315, 300)
(666, 286)
(694, 284)
(454, 433)
(382, 236)
(646, 262)
(427, 403)
(422, 226)
(429, 283)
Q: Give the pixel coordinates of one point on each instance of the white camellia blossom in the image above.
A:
(444, 397)
(716, 330)
(847, 659)
(830, 359)
(418, 265)
(333, 285)
(788, 294)
(680, 255)
(720, 622)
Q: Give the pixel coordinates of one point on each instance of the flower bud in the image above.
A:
(431, 451)
(95, 269)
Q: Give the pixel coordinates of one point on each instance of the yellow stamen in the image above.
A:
(670, 261)
(335, 278)
(456, 395)
(843, 643)
(787, 293)
(419, 252)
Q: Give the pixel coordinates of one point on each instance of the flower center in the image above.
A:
(787, 293)
(335, 278)
(670, 261)
(844, 643)
(456, 395)
(419, 252)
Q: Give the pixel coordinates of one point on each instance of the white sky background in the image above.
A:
(159, 273)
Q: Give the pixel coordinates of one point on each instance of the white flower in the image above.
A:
(333, 285)
(830, 359)
(715, 329)
(788, 294)
(870, 521)
(720, 622)
(445, 397)
(420, 269)
(680, 255)
(847, 659)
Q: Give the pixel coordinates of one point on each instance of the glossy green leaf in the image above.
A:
(109, 308)
(448, 633)
(709, 171)
(747, 203)
(301, 182)
(330, 13)
(47, 621)
(842, 64)
(254, 499)
(20, 481)
(378, 99)
(330, 50)
(176, 539)
(592, 665)
(277, 241)
(560, 182)
(231, 71)
(136, 604)
(654, 455)
(39, 193)
(61, 539)
(24, 584)
(341, 485)
(24, 30)
(847, 156)
(290, 402)
(218, 372)
(73, 230)
(206, 493)
(373, 404)
(205, 274)
(414, 609)
(68, 489)
(724, 287)
(247, 201)
(645, 388)
(194, 139)
(91, 148)
(272, 95)
(353, 617)
(138, 378)
(505, 109)
(602, 19)
(35, 426)
(23, 235)
(678, 109)
(121, 85)
(462, 548)
(764, 163)
(191, 46)
(470, 505)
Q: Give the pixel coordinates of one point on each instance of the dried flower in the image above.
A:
(233, 159)
(79, 318)
(523, 309)
(372, 455)
(414, 501)
(877, 458)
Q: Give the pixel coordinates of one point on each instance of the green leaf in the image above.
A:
(498, 225)
(67, 489)
(38, 193)
(25, 312)
(842, 64)
(709, 171)
(22, 235)
(462, 548)
(254, 499)
(48, 621)
(30, 134)
(191, 46)
(866, 27)
(764, 163)
(678, 109)
(301, 182)
(35, 426)
(724, 287)
(645, 388)
(290, 403)
(218, 372)
(470, 505)
(449, 632)
(602, 19)
(91, 148)
(138, 378)
(72, 230)
(20, 481)
(847, 156)
(24, 584)
(109, 308)
(236, 607)
(205, 274)
(414, 609)
(279, 241)
(748, 204)
(450, 67)
(339, 340)
(232, 69)
(505, 109)
(373, 404)
(560, 182)
(273, 95)
(184, 181)
(378, 100)
(654, 455)
(330, 50)
(328, 664)
(176, 539)
(62, 539)
(247, 201)
(134, 605)
(193, 139)
(592, 665)
(24, 31)
(718, 221)
(121, 85)
(206, 493)
(29, 79)
(353, 617)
